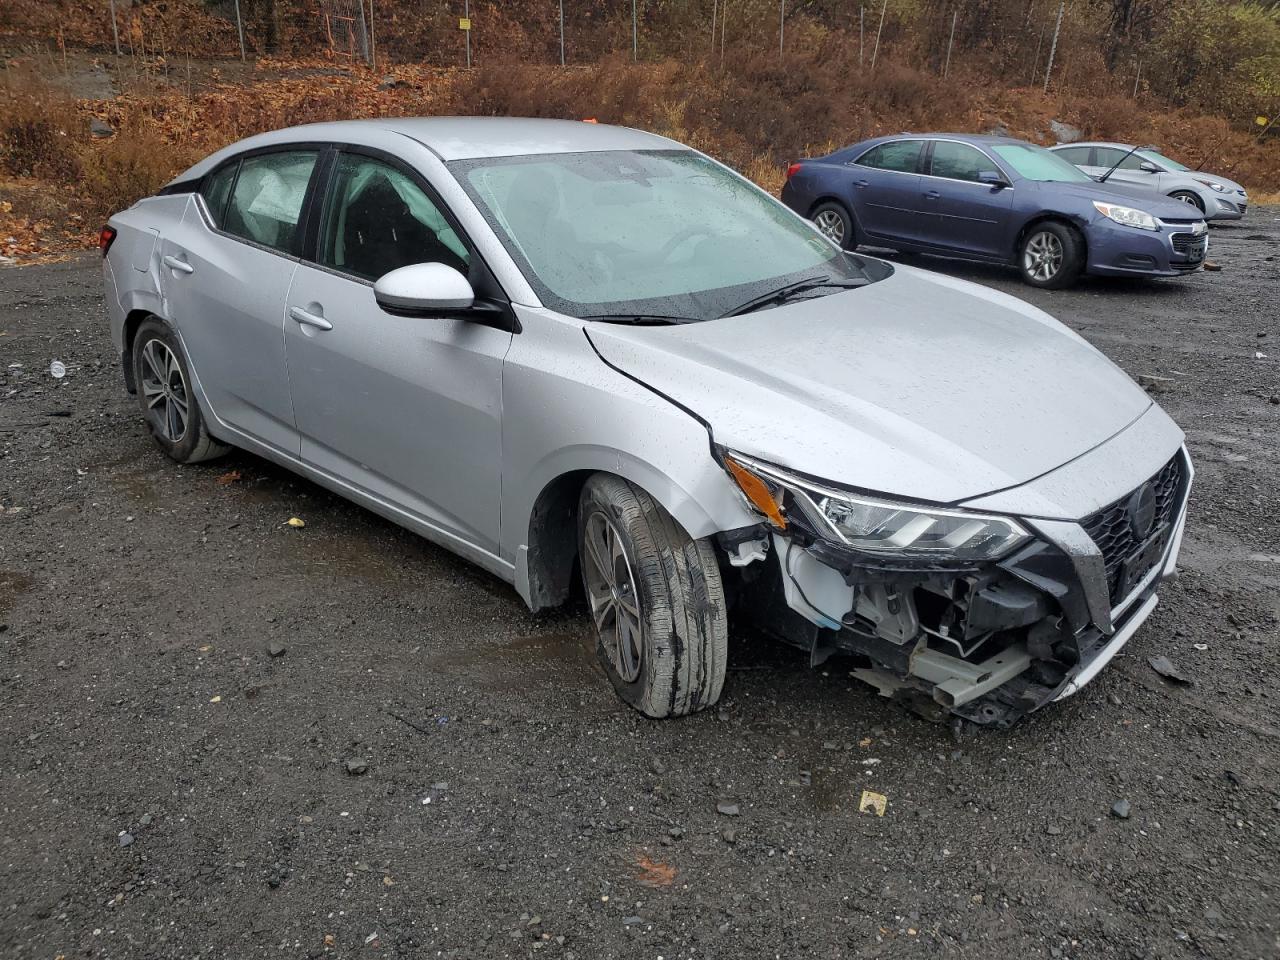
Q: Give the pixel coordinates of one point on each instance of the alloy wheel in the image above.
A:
(831, 225)
(611, 591)
(165, 391)
(1042, 257)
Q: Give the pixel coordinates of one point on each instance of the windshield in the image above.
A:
(664, 233)
(1161, 160)
(1037, 163)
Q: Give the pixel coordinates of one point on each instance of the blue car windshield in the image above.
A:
(661, 233)
(1036, 163)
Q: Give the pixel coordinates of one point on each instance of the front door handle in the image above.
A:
(932, 195)
(173, 263)
(861, 183)
(309, 319)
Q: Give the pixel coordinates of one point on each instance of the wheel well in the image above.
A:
(553, 540)
(1050, 218)
(829, 199)
(131, 323)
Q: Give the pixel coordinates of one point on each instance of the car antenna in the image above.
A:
(1132, 151)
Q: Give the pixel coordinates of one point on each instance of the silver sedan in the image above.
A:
(598, 363)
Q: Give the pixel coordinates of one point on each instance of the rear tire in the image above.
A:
(1189, 197)
(1051, 255)
(168, 403)
(834, 222)
(656, 600)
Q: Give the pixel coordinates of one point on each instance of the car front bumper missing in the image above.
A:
(990, 643)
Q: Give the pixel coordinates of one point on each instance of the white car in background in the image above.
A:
(1216, 197)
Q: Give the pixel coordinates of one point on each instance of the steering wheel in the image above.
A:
(674, 244)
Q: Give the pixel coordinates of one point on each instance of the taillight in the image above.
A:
(106, 236)
(793, 170)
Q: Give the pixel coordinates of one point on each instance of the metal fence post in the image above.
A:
(862, 16)
(1136, 77)
(373, 44)
(239, 28)
(876, 52)
(947, 66)
(782, 24)
(635, 35)
(1053, 47)
(562, 33)
(466, 15)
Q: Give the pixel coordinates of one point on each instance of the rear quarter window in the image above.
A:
(216, 188)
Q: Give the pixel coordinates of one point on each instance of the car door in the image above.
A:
(405, 409)
(225, 273)
(885, 191)
(1080, 156)
(965, 215)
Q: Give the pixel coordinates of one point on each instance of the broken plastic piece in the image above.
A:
(57, 369)
(873, 802)
(297, 523)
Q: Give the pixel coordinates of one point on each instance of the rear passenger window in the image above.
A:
(216, 188)
(899, 155)
(266, 202)
(958, 161)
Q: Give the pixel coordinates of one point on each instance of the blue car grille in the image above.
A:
(1112, 530)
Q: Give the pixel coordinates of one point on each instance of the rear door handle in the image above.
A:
(173, 263)
(309, 319)
(861, 183)
(932, 194)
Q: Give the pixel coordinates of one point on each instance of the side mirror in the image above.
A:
(1148, 167)
(424, 290)
(993, 178)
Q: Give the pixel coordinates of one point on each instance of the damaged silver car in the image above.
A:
(580, 354)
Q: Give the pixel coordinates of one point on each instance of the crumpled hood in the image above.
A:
(920, 385)
(1143, 198)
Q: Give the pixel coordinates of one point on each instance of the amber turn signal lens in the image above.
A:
(757, 492)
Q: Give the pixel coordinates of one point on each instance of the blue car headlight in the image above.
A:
(1126, 216)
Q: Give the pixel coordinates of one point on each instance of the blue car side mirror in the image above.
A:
(992, 178)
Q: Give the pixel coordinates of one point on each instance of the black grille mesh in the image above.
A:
(1187, 242)
(1112, 532)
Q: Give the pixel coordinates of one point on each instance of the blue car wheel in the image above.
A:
(1051, 255)
(834, 222)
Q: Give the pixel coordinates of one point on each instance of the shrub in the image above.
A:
(38, 135)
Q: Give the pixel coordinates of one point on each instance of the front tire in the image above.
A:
(835, 223)
(1189, 197)
(1051, 256)
(656, 600)
(168, 403)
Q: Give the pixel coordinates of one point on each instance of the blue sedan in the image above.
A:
(996, 200)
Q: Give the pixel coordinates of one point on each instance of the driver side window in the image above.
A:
(379, 219)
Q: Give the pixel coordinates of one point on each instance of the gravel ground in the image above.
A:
(222, 736)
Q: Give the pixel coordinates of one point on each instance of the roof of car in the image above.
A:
(454, 138)
(1095, 143)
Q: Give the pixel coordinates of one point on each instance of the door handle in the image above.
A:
(861, 183)
(309, 319)
(173, 263)
(932, 195)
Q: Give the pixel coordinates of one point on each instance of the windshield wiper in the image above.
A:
(1116, 166)
(786, 292)
(641, 319)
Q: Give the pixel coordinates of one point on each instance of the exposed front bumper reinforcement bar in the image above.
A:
(959, 681)
(1117, 641)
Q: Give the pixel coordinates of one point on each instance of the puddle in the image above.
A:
(12, 586)
(562, 658)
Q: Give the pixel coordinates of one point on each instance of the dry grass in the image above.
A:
(757, 115)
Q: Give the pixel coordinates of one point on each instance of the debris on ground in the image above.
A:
(276, 649)
(873, 802)
(57, 369)
(652, 873)
(1212, 266)
(297, 523)
(228, 478)
(727, 809)
(1167, 669)
(357, 767)
(1120, 809)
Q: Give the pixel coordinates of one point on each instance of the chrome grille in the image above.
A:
(1112, 530)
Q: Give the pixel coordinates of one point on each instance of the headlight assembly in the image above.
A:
(871, 525)
(1127, 216)
(1214, 185)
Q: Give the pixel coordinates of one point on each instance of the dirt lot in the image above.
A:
(173, 789)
